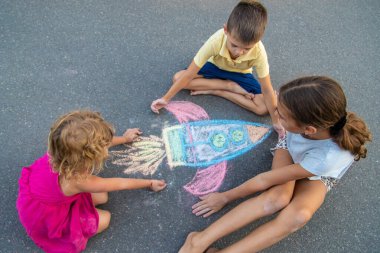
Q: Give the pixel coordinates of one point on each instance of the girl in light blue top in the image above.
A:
(322, 141)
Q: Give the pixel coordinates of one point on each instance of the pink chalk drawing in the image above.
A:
(197, 142)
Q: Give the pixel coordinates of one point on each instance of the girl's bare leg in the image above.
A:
(265, 204)
(99, 198)
(104, 219)
(104, 216)
(308, 197)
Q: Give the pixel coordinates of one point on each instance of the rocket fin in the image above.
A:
(186, 111)
(207, 180)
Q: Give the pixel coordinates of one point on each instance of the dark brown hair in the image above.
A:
(247, 21)
(78, 143)
(319, 101)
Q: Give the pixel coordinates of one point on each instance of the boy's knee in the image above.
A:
(261, 110)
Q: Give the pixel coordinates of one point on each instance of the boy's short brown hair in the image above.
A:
(247, 21)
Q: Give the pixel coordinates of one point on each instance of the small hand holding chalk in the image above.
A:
(132, 134)
(157, 185)
(158, 104)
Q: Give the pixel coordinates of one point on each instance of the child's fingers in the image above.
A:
(154, 109)
(136, 130)
(200, 203)
(204, 197)
(202, 211)
(161, 182)
(159, 185)
(199, 209)
(158, 104)
(209, 213)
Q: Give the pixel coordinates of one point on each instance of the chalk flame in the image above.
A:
(142, 156)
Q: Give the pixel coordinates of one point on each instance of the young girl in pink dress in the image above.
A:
(59, 191)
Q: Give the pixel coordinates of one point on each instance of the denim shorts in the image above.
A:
(329, 182)
(246, 81)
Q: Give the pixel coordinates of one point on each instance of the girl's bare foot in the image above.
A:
(191, 246)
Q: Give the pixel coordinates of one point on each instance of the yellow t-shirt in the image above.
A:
(215, 51)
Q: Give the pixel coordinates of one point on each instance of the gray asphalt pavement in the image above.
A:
(117, 56)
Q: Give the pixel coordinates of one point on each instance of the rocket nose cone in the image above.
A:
(256, 132)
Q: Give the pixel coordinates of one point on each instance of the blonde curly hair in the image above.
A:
(78, 144)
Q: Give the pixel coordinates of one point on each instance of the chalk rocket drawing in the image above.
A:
(196, 142)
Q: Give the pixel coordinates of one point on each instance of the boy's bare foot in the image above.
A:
(250, 96)
(190, 246)
(201, 92)
(211, 250)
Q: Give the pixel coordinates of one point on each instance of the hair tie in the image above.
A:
(334, 130)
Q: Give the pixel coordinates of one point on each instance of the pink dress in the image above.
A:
(55, 222)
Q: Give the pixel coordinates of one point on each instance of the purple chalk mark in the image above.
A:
(207, 180)
(186, 111)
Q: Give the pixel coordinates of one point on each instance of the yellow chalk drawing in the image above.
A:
(143, 156)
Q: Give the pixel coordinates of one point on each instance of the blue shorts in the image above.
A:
(246, 81)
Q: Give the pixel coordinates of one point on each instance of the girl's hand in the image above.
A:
(158, 104)
(210, 204)
(157, 185)
(279, 129)
(131, 134)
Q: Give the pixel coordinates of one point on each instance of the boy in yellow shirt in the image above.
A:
(223, 66)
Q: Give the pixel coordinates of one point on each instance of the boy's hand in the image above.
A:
(131, 134)
(158, 104)
(157, 185)
(209, 204)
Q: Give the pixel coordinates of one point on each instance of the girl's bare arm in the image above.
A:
(129, 135)
(96, 184)
(266, 180)
(213, 202)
